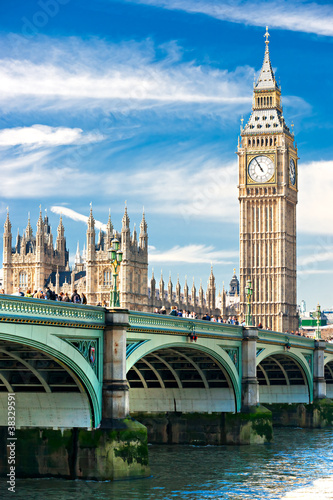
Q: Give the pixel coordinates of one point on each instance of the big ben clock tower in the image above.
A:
(268, 196)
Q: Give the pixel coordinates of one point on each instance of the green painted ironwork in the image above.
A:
(249, 293)
(234, 356)
(50, 312)
(116, 257)
(88, 349)
(318, 315)
(309, 359)
(158, 323)
(132, 346)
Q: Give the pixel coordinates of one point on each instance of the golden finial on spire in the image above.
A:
(234, 271)
(266, 35)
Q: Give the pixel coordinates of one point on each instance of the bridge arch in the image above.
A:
(182, 376)
(54, 385)
(328, 367)
(284, 376)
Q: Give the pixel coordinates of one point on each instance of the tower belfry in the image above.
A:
(268, 196)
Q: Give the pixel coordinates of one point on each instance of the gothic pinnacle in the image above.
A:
(126, 219)
(7, 226)
(91, 220)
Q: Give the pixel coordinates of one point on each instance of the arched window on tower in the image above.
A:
(23, 281)
(107, 278)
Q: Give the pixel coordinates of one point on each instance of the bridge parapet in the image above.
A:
(158, 323)
(46, 312)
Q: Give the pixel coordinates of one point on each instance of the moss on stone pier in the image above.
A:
(254, 426)
(117, 452)
(316, 415)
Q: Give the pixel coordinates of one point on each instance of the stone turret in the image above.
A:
(143, 238)
(134, 241)
(201, 296)
(186, 301)
(40, 237)
(170, 290)
(109, 231)
(153, 288)
(161, 289)
(7, 255)
(125, 234)
(91, 252)
(28, 231)
(178, 292)
(7, 240)
(91, 236)
(211, 293)
(40, 251)
(193, 294)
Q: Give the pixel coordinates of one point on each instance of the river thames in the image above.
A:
(298, 465)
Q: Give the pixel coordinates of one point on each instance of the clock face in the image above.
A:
(261, 169)
(292, 171)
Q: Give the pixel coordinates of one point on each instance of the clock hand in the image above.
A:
(258, 164)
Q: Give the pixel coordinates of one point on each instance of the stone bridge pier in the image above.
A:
(115, 401)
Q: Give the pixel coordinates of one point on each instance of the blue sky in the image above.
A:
(108, 101)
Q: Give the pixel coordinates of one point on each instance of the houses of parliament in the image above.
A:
(268, 186)
(35, 262)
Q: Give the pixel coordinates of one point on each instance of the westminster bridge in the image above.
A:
(85, 367)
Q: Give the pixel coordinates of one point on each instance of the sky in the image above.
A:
(140, 101)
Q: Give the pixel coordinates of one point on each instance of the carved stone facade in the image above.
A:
(185, 299)
(268, 188)
(30, 262)
(34, 263)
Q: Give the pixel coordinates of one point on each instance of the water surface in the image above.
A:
(298, 465)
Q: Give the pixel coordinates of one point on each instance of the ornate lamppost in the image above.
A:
(318, 314)
(116, 257)
(248, 292)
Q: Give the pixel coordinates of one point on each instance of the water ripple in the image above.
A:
(296, 466)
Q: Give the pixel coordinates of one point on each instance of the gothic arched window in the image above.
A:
(23, 279)
(107, 277)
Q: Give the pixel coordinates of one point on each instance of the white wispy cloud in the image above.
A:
(298, 15)
(43, 136)
(192, 254)
(315, 258)
(191, 188)
(76, 216)
(124, 77)
(38, 175)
